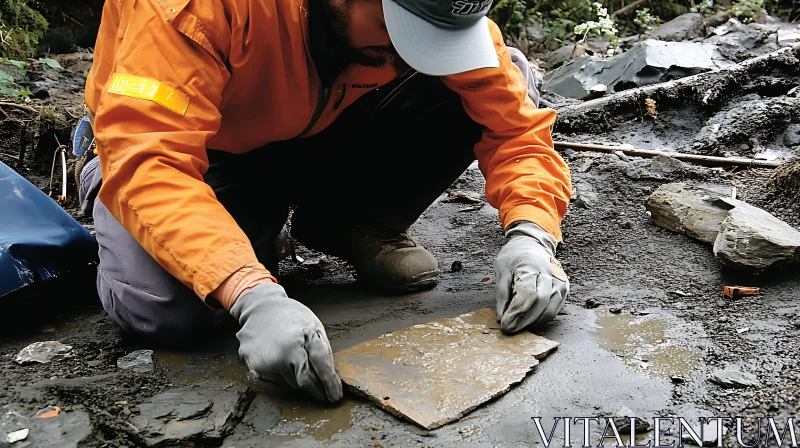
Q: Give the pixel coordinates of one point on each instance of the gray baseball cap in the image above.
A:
(441, 37)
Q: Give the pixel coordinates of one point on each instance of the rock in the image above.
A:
(447, 360)
(752, 239)
(685, 27)
(622, 419)
(587, 165)
(586, 196)
(557, 58)
(599, 90)
(41, 89)
(140, 361)
(263, 414)
(658, 168)
(648, 62)
(615, 310)
(738, 42)
(463, 197)
(640, 170)
(689, 210)
(666, 165)
(17, 436)
(456, 266)
(198, 415)
(791, 137)
(787, 38)
(731, 378)
(42, 352)
(591, 303)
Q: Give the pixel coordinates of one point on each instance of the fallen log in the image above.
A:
(708, 91)
(628, 9)
(691, 158)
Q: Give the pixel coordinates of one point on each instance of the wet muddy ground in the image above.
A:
(656, 327)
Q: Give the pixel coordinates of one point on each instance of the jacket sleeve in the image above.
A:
(526, 179)
(152, 124)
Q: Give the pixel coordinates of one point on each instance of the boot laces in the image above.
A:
(390, 239)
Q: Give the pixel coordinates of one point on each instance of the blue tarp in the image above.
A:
(38, 238)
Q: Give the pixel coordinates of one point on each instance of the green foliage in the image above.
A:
(704, 7)
(745, 10)
(644, 21)
(18, 64)
(52, 63)
(563, 19)
(8, 85)
(22, 27)
(604, 26)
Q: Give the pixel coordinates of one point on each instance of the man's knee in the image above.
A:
(140, 295)
(170, 319)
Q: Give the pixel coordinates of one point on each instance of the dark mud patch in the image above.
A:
(747, 110)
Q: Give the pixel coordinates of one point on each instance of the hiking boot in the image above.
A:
(383, 258)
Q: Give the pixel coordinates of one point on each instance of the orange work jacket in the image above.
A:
(174, 77)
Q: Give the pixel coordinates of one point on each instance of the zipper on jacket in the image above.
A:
(342, 92)
(322, 102)
(324, 95)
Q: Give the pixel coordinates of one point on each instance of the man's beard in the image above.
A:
(337, 15)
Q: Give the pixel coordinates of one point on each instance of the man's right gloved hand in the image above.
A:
(283, 341)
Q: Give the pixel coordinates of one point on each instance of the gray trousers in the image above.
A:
(386, 159)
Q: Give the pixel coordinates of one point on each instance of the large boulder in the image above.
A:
(648, 62)
(682, 28)
(752, 239)
(744, 237)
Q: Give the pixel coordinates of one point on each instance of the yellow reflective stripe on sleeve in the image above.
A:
(151, 90)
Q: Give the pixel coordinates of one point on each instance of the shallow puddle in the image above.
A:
(644, 343)
(301, 416)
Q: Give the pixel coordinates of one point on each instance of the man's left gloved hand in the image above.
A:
(531, 285)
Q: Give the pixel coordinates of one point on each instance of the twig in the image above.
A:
(627, 9)
(19, 106)
(70, 18)
(692, 158)
(23, 146)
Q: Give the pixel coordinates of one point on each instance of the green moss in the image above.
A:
(22, 28)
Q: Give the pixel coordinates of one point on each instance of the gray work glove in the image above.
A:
(283, 341)
(531, 285)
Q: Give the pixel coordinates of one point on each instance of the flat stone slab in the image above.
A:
(187, 415)
(435, 373)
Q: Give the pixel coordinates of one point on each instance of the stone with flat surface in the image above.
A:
(435, 373)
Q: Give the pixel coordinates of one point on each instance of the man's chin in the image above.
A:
(397, 63)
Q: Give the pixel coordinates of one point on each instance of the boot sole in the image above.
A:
(421, 282)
